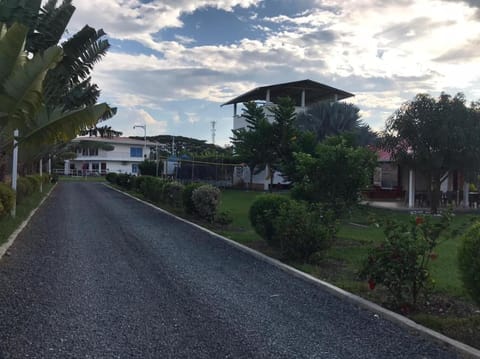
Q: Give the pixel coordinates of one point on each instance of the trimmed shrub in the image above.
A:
(45, 178)
(111, 177)
(302, 229)
(206, 199)
(24, 188)
(137, 185)
(152, 188)
(262, 214)
(188, 204)
(224, 218)
(173, 194)
(7, 199)
(469, 261)
(124, 180)
(35, 182)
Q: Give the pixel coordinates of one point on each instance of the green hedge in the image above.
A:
(7, 199)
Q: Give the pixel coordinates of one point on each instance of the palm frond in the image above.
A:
(56, 126)
(52, 22)
(23, 88)
(12, 50)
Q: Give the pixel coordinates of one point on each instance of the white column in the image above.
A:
(267, 98)
(303, 99)
(66, 168)
(466, 193)
(41, 173)
(15, 170)
(411, 189)
(49, 165)
(266, 180)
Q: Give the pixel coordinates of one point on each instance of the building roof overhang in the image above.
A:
(114, 140)
(314, 92)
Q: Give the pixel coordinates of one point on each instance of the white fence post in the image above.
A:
(15, 171)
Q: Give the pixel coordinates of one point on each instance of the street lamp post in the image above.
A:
(144, 137)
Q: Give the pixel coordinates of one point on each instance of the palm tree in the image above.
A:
(61, 100)
(332, 119)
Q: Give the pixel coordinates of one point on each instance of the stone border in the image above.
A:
(5, 246)
(462, 349)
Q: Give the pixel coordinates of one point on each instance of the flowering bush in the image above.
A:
(206, 199)
(400, 262)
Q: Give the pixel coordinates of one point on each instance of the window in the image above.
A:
(134, 168)
(89, 151)
(136, 152)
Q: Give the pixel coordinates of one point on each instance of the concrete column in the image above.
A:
(411, 189)
(267, 98)
(466, 192)
(303, 99)
(49, 165)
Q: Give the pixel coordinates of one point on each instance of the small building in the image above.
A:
(304, 93)
(100, 155)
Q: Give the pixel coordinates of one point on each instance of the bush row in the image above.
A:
(195, 199)
(25, 187)
(297, 228)
(7, 199)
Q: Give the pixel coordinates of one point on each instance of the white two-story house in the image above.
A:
(304, 93)
(100, 155)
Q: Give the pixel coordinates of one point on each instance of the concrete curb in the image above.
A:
(462, 349)
(4, 247)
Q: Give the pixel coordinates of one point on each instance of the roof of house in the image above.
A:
(117, 140)
(314, 92)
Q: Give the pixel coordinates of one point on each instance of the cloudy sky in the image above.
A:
(174, 62)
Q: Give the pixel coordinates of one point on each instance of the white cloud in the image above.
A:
(362, 46)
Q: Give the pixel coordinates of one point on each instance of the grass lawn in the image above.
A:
(449, 310)
(8, 224)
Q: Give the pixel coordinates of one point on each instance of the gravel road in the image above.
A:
(99, 275)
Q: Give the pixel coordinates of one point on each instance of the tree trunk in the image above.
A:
(251, 178)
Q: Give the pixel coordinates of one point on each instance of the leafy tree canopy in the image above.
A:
(434, 136)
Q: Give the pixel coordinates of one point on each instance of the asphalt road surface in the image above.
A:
(99, 275)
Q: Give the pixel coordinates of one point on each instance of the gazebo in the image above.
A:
(303, 92)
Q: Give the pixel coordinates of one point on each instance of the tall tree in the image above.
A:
(435, 136)
(254, 144)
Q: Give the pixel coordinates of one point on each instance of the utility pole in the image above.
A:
(144, 137)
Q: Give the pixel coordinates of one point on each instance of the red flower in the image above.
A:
(433, 256)
(371, 284)
(419, 220)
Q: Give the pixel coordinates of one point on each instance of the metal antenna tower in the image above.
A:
(213, 131)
